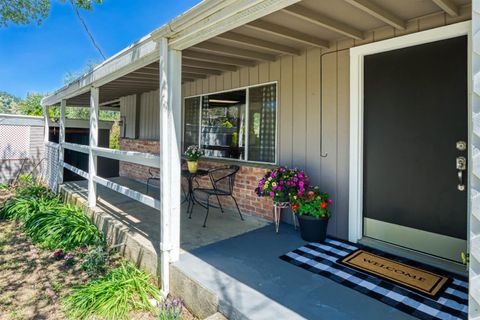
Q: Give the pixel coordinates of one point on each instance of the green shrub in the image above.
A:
(113, 296)
(63, 227)
(22, 208)
(95, 260)
(33, 190)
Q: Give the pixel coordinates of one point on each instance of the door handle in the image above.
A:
(461, 165)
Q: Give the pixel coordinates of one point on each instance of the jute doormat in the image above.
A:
(416, 279)
(323, 259)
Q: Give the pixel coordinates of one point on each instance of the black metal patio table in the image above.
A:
(190, 176)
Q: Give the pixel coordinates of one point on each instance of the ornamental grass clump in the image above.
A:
(24, 207)
(123, 290)
(282, 183)
(64, 227)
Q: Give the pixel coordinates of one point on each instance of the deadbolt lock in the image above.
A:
(461, 145)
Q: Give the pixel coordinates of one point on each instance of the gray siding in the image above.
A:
(315, 79)
(128, 111)
(149, 115)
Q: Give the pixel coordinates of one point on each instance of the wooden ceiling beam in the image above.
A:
(201, 71)
(448, 6)
(325, 22)
(378, 12)
(208, 65)
(258, 43)
(195, 55)
(237, 52)
(287, 33)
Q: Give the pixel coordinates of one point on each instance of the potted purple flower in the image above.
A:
(313, 212)
(282, 183)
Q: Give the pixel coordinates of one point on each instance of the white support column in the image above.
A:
(175, 103)
(170, 130)
(61, 140)
(47, 124)
(93, 142)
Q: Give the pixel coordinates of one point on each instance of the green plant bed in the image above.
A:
(123, 290)
(64, 227)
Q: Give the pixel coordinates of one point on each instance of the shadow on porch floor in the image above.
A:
(232, 266)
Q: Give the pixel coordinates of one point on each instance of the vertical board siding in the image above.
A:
(128, 110)
(149, 115)
(307, 84)
(299, 116)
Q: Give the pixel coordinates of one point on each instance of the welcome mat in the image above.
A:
(419, 280)
(450, 302)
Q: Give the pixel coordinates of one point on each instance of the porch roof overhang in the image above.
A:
(217, 36)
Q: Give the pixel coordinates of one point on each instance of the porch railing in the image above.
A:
(141, 158)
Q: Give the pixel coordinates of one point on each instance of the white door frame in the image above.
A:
(357, 54)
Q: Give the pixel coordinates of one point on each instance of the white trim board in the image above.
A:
(357, 54)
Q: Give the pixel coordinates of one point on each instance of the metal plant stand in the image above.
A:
(277, 212)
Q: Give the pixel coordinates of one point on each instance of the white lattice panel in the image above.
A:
(14, 142)
(51, 166)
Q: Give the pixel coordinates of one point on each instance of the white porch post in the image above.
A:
(93, 142)
(61, 141)
(47, 124)
(170, 124)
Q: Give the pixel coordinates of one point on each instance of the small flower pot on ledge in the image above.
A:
(313, 229)
(192, 166)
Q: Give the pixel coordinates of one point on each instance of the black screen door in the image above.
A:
(415, 112)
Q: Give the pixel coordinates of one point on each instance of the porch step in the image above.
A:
(216, 316)
(205, 289)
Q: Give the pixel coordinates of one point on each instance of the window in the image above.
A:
(239, 124)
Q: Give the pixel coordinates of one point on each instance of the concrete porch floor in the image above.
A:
(137, 226)
(231, 266)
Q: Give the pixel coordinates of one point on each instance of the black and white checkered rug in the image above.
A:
(322, 260)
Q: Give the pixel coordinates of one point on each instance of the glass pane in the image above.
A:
(192, 118)
(262, 123)
(223, 124)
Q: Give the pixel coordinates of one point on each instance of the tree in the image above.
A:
(27, 11)
(8, 103)
(31, 105)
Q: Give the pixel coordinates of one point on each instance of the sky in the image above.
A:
(36, 58)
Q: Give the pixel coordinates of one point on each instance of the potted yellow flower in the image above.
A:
(193, 153)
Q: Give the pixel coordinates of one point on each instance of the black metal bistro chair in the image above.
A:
(222, 180)
(154, 176)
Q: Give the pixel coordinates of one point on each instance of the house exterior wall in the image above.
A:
(305, 83)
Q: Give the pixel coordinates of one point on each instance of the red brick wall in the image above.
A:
(246, 179)
(136, 171)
